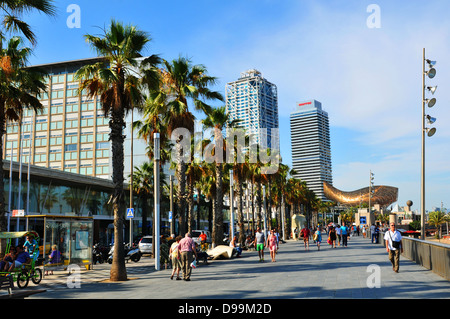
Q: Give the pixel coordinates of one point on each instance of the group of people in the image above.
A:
(272, 242)
(19, 255)
(182, 252)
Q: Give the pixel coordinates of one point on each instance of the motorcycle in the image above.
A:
(99, 254)
(131, 253)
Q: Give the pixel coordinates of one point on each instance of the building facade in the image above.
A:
(310, 144)
(71, 133)
(254, 101)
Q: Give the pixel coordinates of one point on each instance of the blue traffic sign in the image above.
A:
(130, 212)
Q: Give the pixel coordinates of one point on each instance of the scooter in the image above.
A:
(131, 253)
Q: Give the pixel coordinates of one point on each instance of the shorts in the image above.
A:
(17, 265)
(259, 247)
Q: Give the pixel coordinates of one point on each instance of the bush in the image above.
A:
(415, 225)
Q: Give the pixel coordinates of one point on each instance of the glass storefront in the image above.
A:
(70, 236)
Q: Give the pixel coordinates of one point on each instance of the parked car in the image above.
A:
(145, 244)
(196, 236)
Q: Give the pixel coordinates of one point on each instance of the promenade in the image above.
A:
(360, 271)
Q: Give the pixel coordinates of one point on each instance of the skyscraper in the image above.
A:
(310, 144)
(254, 100)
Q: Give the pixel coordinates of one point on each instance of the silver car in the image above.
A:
(145, 244)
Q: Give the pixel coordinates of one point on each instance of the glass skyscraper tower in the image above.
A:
(254, 100)
(310, 144)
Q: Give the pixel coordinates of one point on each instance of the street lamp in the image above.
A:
(371, 185)
(156, 159)
(431, 73)
(231, 207)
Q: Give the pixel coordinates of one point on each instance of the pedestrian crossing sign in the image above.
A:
(130, 212)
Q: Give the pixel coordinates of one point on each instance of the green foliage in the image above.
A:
(415, 225)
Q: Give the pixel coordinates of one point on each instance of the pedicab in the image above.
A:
(22, 274)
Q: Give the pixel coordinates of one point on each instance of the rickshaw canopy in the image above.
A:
(18, 234)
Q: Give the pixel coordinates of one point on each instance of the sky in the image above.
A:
(362, 62)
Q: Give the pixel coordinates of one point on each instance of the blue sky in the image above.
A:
(367, 79)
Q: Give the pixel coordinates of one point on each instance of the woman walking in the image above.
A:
(175, 255)
(333, 237)
(272, 242)
(318, 237)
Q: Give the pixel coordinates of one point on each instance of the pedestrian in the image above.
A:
(318, 237)
(364, 231)
(372, 233)
(377, 233)
(344, 234)
(332, 236)
(187, 249)
(175, 257)
(338, 234)
(260, 243)
(272, 243)
(236, 248)
(394, 246)
(305, 234)
(164, 253)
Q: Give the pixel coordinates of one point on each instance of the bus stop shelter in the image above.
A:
(72, 236)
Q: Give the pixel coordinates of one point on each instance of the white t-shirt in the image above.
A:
(392, 236)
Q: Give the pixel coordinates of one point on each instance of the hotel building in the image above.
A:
(71, 133)
(310, 144)
(254, 100)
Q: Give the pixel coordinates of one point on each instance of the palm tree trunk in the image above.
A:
(118, 270)
(190, 202)
(218, 214)
(181, 191)
(3, 223)
(240, 213)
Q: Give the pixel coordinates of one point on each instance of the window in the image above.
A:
(86, 138)
(71, 140)
(102, 145)
(70, 108)
(71, 123)
(70, 147)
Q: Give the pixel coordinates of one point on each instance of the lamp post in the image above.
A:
(156, 239)
(231, 207)
(431, 73)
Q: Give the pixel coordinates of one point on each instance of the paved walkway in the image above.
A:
(329, 273)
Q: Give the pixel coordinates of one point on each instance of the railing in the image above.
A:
(431, 255)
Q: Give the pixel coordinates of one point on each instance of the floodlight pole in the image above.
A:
(422, 182)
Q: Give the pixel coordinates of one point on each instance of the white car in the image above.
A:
(145, 244)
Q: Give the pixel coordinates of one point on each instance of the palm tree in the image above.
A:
(218, 119)
(13, 10)
(437, 219)
(113, 79)
(19, 88)
(183, 82)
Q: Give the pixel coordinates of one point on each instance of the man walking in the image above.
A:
(260, 240)
(187, 249)
(394, 246)
(344, 234)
